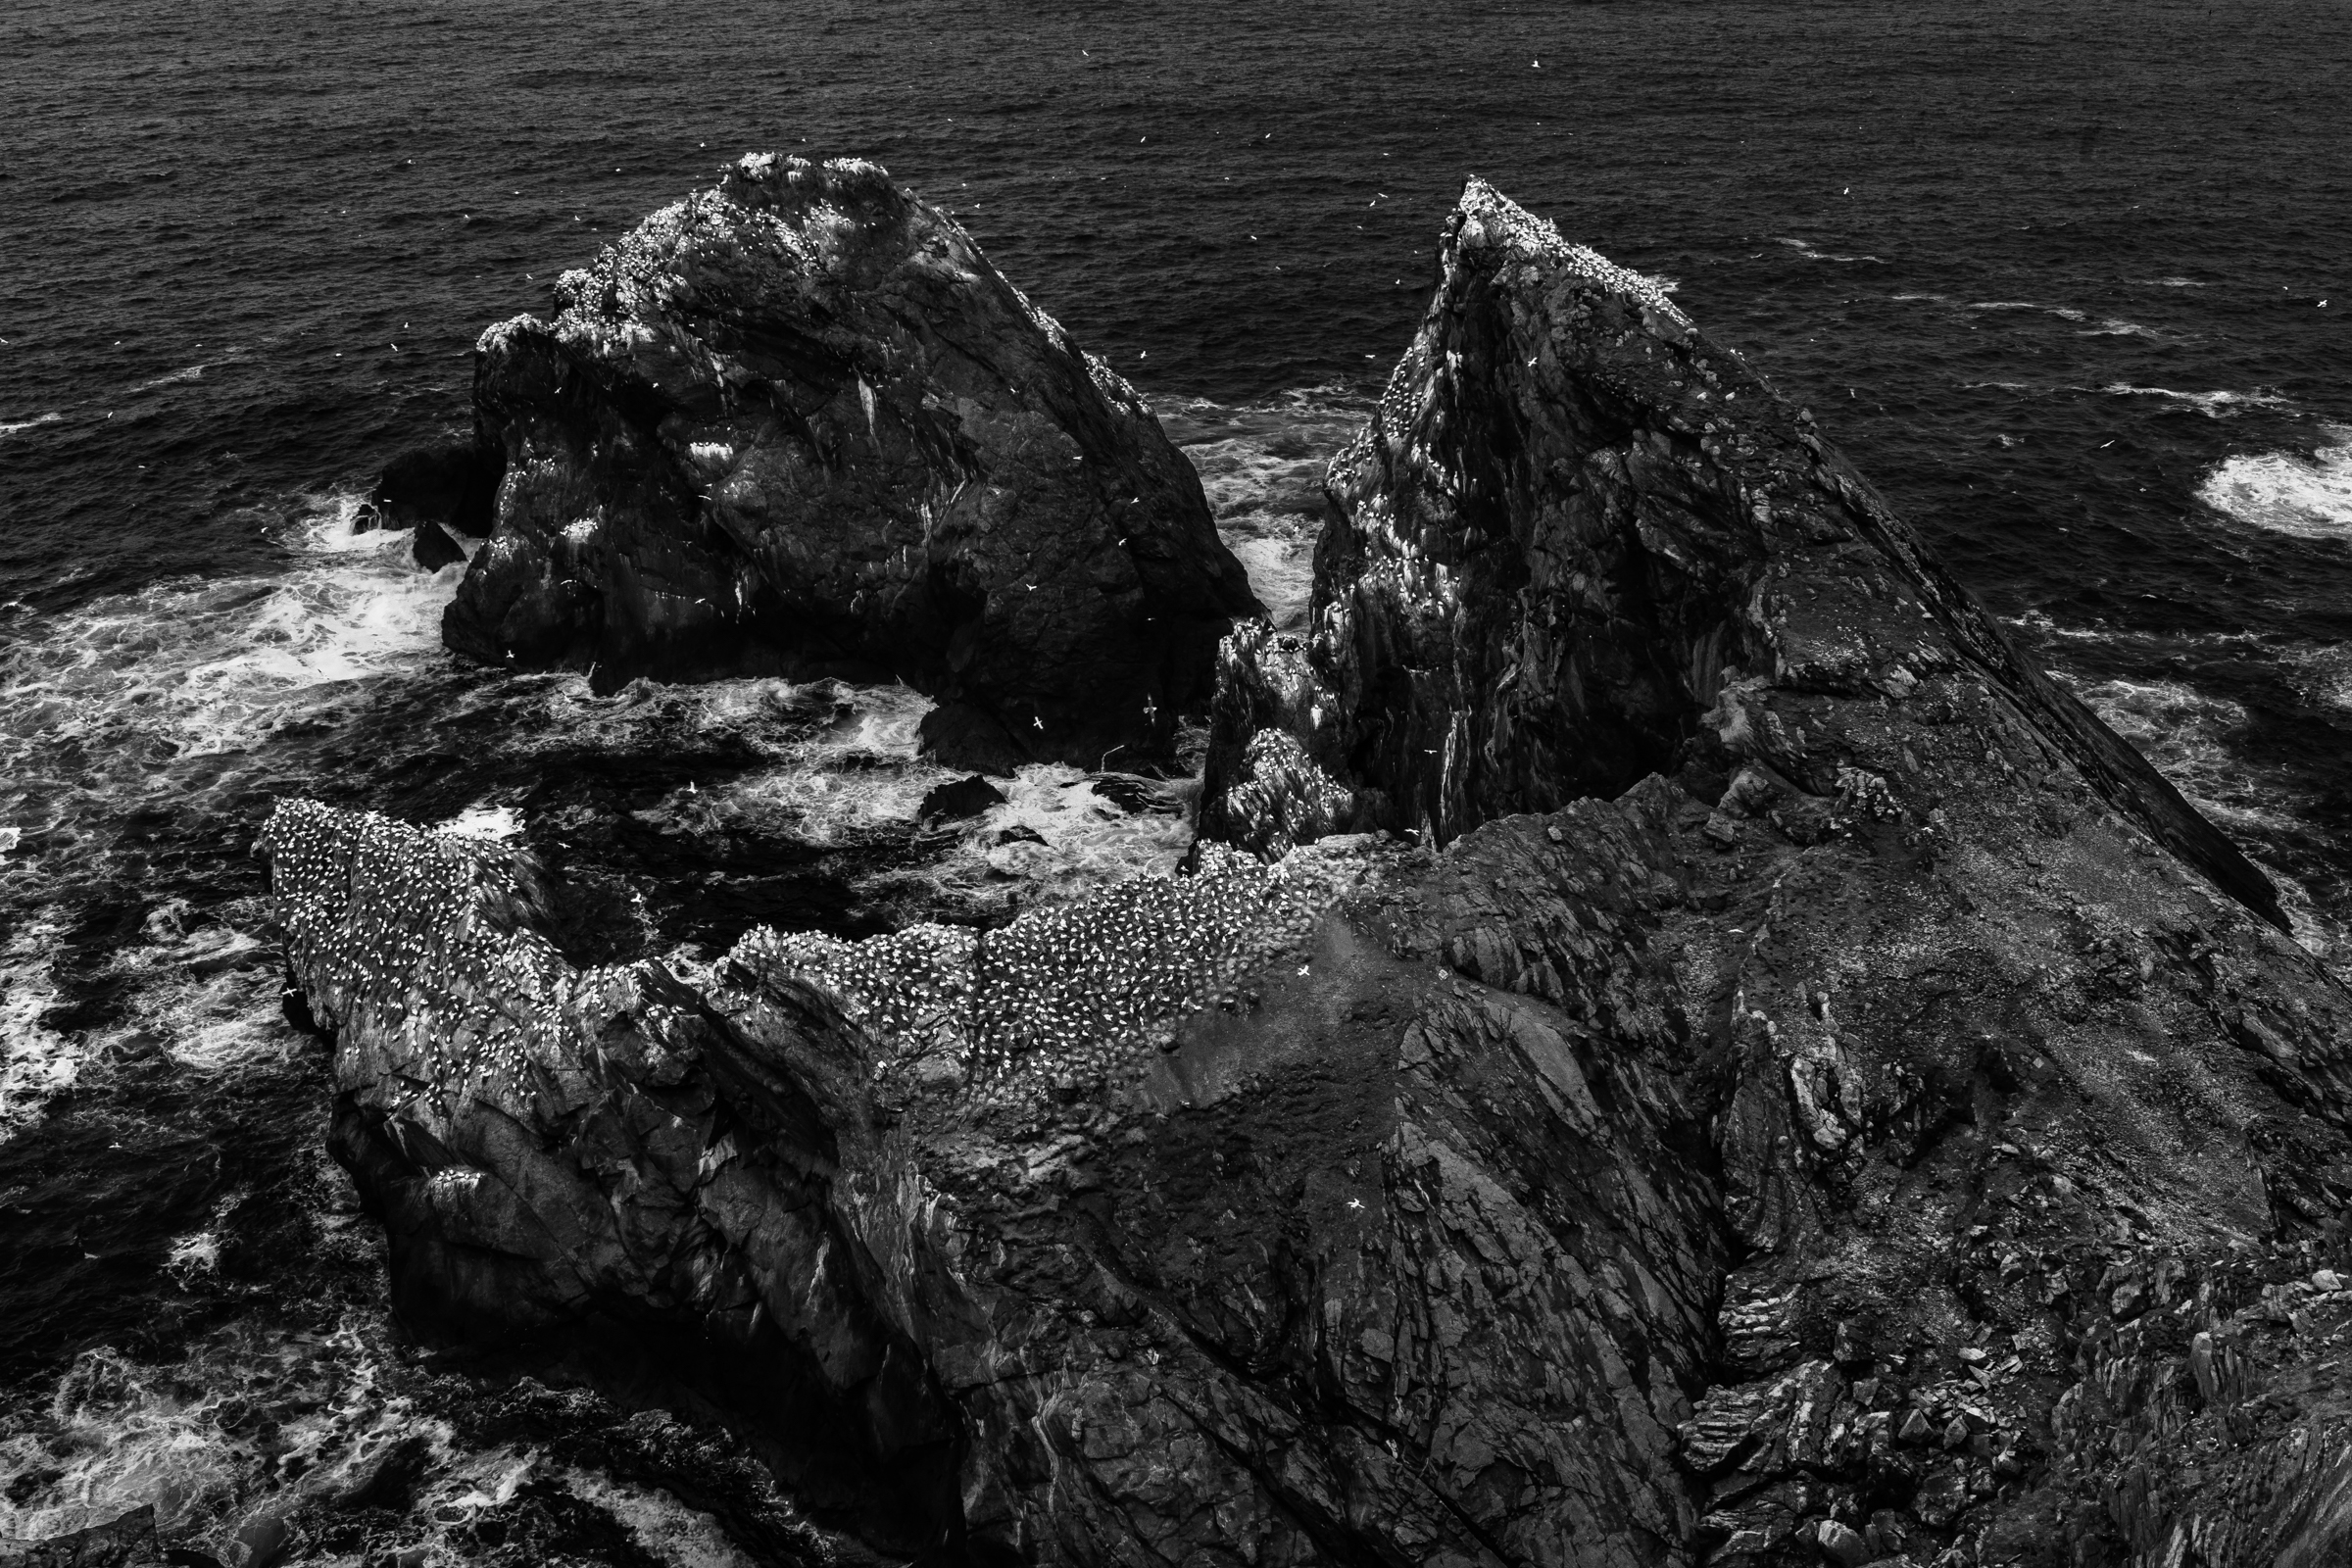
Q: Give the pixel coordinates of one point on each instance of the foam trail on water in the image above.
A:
(2186, 733)
(248, 1409)
(162, 707)
(36, 1063)
(1263, 467)
(2284, 492)
(2213, 405)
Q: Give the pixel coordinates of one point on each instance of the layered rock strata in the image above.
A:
(1861, 1117)
(798, 424)
(1579, 543)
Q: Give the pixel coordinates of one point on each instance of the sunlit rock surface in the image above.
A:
(798, 424)
(1810, 1095)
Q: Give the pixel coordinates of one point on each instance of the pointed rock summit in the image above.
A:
(798, 424)
(1579, 543)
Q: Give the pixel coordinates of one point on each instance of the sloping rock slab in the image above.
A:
(798, 424)
(1592, 1192)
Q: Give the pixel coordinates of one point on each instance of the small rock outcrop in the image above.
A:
(444, 485)
(798, 424)
(1803, 1094)
(1579, 543)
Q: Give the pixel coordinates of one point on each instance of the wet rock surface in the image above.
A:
(798, 424)
(1809, 1096)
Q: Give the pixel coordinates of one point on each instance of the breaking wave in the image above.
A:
(2213, 405)
(2285, 491)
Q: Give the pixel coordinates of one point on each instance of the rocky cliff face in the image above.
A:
(1835, 1110)
(1578, 544)
(799, 424)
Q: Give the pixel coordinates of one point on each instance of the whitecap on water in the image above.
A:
(36, 1063)
(1805, 250)
(252, 1418)
(2285, 491)
(2213, 405)
(1262, 465)
(159, 705)
(485, 819)
(2186, 733)
(12, 427)
(859, 779)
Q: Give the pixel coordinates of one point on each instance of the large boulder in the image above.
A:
(1866, 1137)
(798, 424)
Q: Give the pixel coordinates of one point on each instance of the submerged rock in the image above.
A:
(960, 798)
(1864, 1133)
(798, 424)
(433, 548)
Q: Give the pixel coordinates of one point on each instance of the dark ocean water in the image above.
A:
(2070, 282)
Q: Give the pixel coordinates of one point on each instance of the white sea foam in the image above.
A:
(118, 1433)
(1810, 254)
(36, 1063)
(2213, 405)
(10, 428)
(2114, 326)
(189, 372)
(485, 819)
(1263, 467)
(1282, 573)
(2322, 674)
(2285, 491)
(2186, 733)
(153, 705)
(664, 1527)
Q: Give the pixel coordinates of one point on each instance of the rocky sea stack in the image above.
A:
(1702, 1054)
(798, 424)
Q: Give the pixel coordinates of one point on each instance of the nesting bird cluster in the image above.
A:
(1072, 993)
(1491, 219)
(1400, 401)
(1495, 218)
(1285, 795)
(911, 987)
(420, 948)
(418, 940)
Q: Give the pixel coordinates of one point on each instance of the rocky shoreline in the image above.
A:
(1677, 1044)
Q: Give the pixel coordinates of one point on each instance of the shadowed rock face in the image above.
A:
(1579, 544)
(798, 424)
(1863, 1138)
